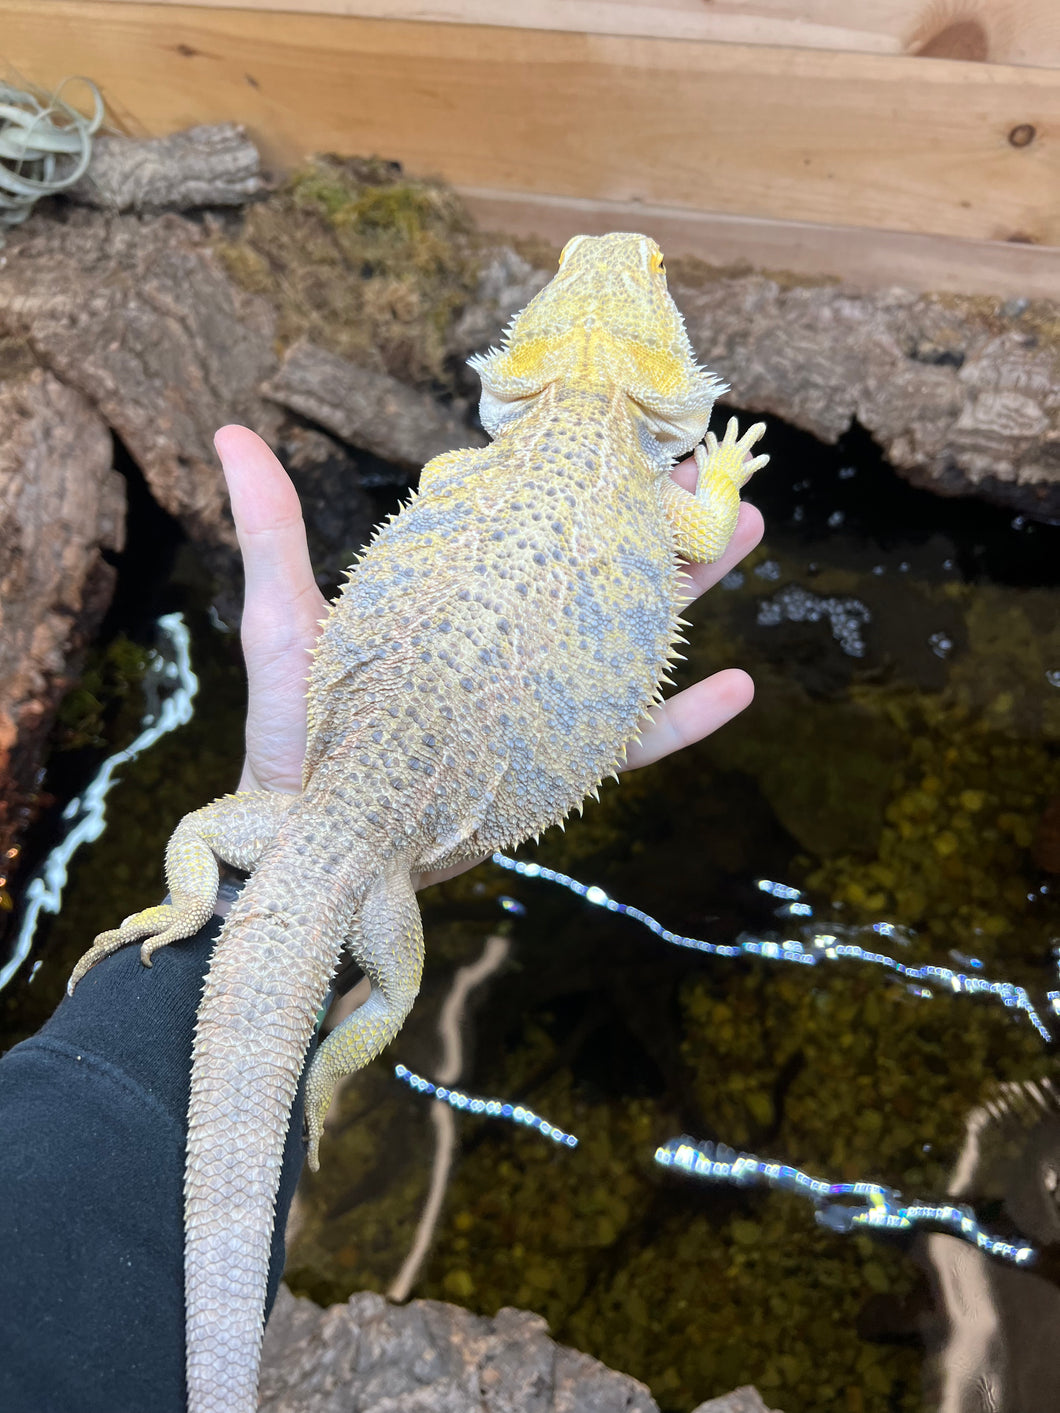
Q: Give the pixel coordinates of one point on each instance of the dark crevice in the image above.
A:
(145, 566)
(812, 493)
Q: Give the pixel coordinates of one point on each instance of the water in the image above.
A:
(890, 790)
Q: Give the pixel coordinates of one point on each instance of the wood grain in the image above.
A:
(992, 31)
(752, 130)
(870, 259)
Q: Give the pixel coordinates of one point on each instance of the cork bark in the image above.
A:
(62, 510)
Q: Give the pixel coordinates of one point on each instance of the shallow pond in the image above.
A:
(894, 791)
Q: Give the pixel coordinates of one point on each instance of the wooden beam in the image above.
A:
(867, 258)
(990, 31)
(958, 149)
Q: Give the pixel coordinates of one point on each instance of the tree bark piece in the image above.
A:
(429, 1355)
(203, 166)
(368, 409)
(61, 506)
(963, 395)
(139, 316)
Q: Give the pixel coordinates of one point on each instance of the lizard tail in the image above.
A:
(267, 981)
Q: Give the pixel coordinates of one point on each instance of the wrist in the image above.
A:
(228, 890)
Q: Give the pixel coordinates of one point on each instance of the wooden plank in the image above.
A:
(807, 135)
(989, 31)
(867, 258)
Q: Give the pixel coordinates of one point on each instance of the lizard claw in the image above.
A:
(160, 925)
(731, 457)
(318, 1091)
(314, 1128)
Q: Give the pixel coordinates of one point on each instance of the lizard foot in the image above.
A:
(730, 457)
(387, 942)
(319, 1089)
(352, 1044)
(235, 829)
(160, 925)
(703, 523)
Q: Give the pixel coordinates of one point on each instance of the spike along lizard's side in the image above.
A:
(483, 669)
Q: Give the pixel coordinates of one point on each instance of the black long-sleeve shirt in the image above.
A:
(93, 1121)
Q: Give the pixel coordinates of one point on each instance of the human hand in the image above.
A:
(283, 611)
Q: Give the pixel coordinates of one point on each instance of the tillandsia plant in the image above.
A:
(45, 146)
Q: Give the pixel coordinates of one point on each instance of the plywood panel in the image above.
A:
(992, 31)
(807, 135)
(867, 258)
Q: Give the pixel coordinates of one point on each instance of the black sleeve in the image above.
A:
(93, 1120)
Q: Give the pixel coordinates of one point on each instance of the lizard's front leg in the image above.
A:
(703, 522)
(234, 830)
(387, 943)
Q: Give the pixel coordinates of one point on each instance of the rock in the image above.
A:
(366, 408)
(963, 397)
(429, 1357)
(506, 284)
(742, 1400)
(62, 506)
(203, 166)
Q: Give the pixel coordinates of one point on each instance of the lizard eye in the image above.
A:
(657, 265)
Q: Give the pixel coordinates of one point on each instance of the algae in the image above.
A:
(954, 853)
(106, 702)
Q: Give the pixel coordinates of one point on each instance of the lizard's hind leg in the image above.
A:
(234, 830)
(386, 941)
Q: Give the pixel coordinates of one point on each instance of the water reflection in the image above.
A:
(814, 945)
(840, 1206)
(486, 1108)
(847, 617)
(993, 1330)
(169, 688)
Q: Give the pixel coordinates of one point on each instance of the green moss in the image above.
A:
(106, 703)
(839, 804)
(1013, 641)
(363, 261)
(953, 856)
(690, 272)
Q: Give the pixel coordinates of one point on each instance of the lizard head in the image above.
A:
(605, 322)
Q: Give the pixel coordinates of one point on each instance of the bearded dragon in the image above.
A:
(482, 670)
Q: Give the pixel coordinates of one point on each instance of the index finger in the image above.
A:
(268, 520)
